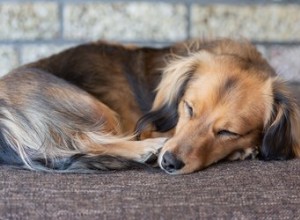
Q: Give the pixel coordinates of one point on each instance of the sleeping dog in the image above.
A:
(192, 104)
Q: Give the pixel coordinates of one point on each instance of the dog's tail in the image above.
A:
(50, 125)
(42, 145)
(74, 163)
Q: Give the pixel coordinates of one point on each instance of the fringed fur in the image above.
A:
(281, 138)
(178, 72)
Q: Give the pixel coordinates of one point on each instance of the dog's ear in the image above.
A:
(175, 77)
(281, 138)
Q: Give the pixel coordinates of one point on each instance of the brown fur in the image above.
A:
(212, 98)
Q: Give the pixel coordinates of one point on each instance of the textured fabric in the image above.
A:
(241, 190)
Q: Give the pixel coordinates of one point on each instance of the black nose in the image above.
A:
(170, 163)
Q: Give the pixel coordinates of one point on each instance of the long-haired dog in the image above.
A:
(77, 111)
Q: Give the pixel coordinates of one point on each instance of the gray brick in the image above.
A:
(28, 21)
(126, 21)
(8, 59)
(256, 22)
(33, 52)
(263, 50)
(286, 61)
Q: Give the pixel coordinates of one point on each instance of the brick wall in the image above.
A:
(31, 29)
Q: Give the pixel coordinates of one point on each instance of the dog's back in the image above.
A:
(73, 110)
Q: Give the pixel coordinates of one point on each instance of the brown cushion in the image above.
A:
(246, 189)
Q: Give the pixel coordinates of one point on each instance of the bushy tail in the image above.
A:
(78, 163)
(49, 124)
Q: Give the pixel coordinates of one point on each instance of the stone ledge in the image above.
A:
(284, 59)
(28, 21)
(126, 21)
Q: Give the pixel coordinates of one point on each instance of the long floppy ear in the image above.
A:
(176, 75)
(281, 139)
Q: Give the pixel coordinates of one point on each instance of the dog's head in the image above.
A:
(223, 99)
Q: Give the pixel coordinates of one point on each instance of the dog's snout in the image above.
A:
(170, 163)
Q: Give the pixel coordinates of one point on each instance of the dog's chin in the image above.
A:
(176, 172)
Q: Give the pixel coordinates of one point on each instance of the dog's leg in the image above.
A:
(140, 151)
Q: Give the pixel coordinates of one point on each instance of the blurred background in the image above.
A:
(31, 29)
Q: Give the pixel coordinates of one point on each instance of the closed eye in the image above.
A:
(226, 133)
(188, 109)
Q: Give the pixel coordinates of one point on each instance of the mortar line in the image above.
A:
(139, 42)
(203, 2)
(189, 20)
(61, 19)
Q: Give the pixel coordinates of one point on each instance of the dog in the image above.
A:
(191, 104)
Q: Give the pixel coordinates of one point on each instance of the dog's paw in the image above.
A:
(248, 153)
(150, 149)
